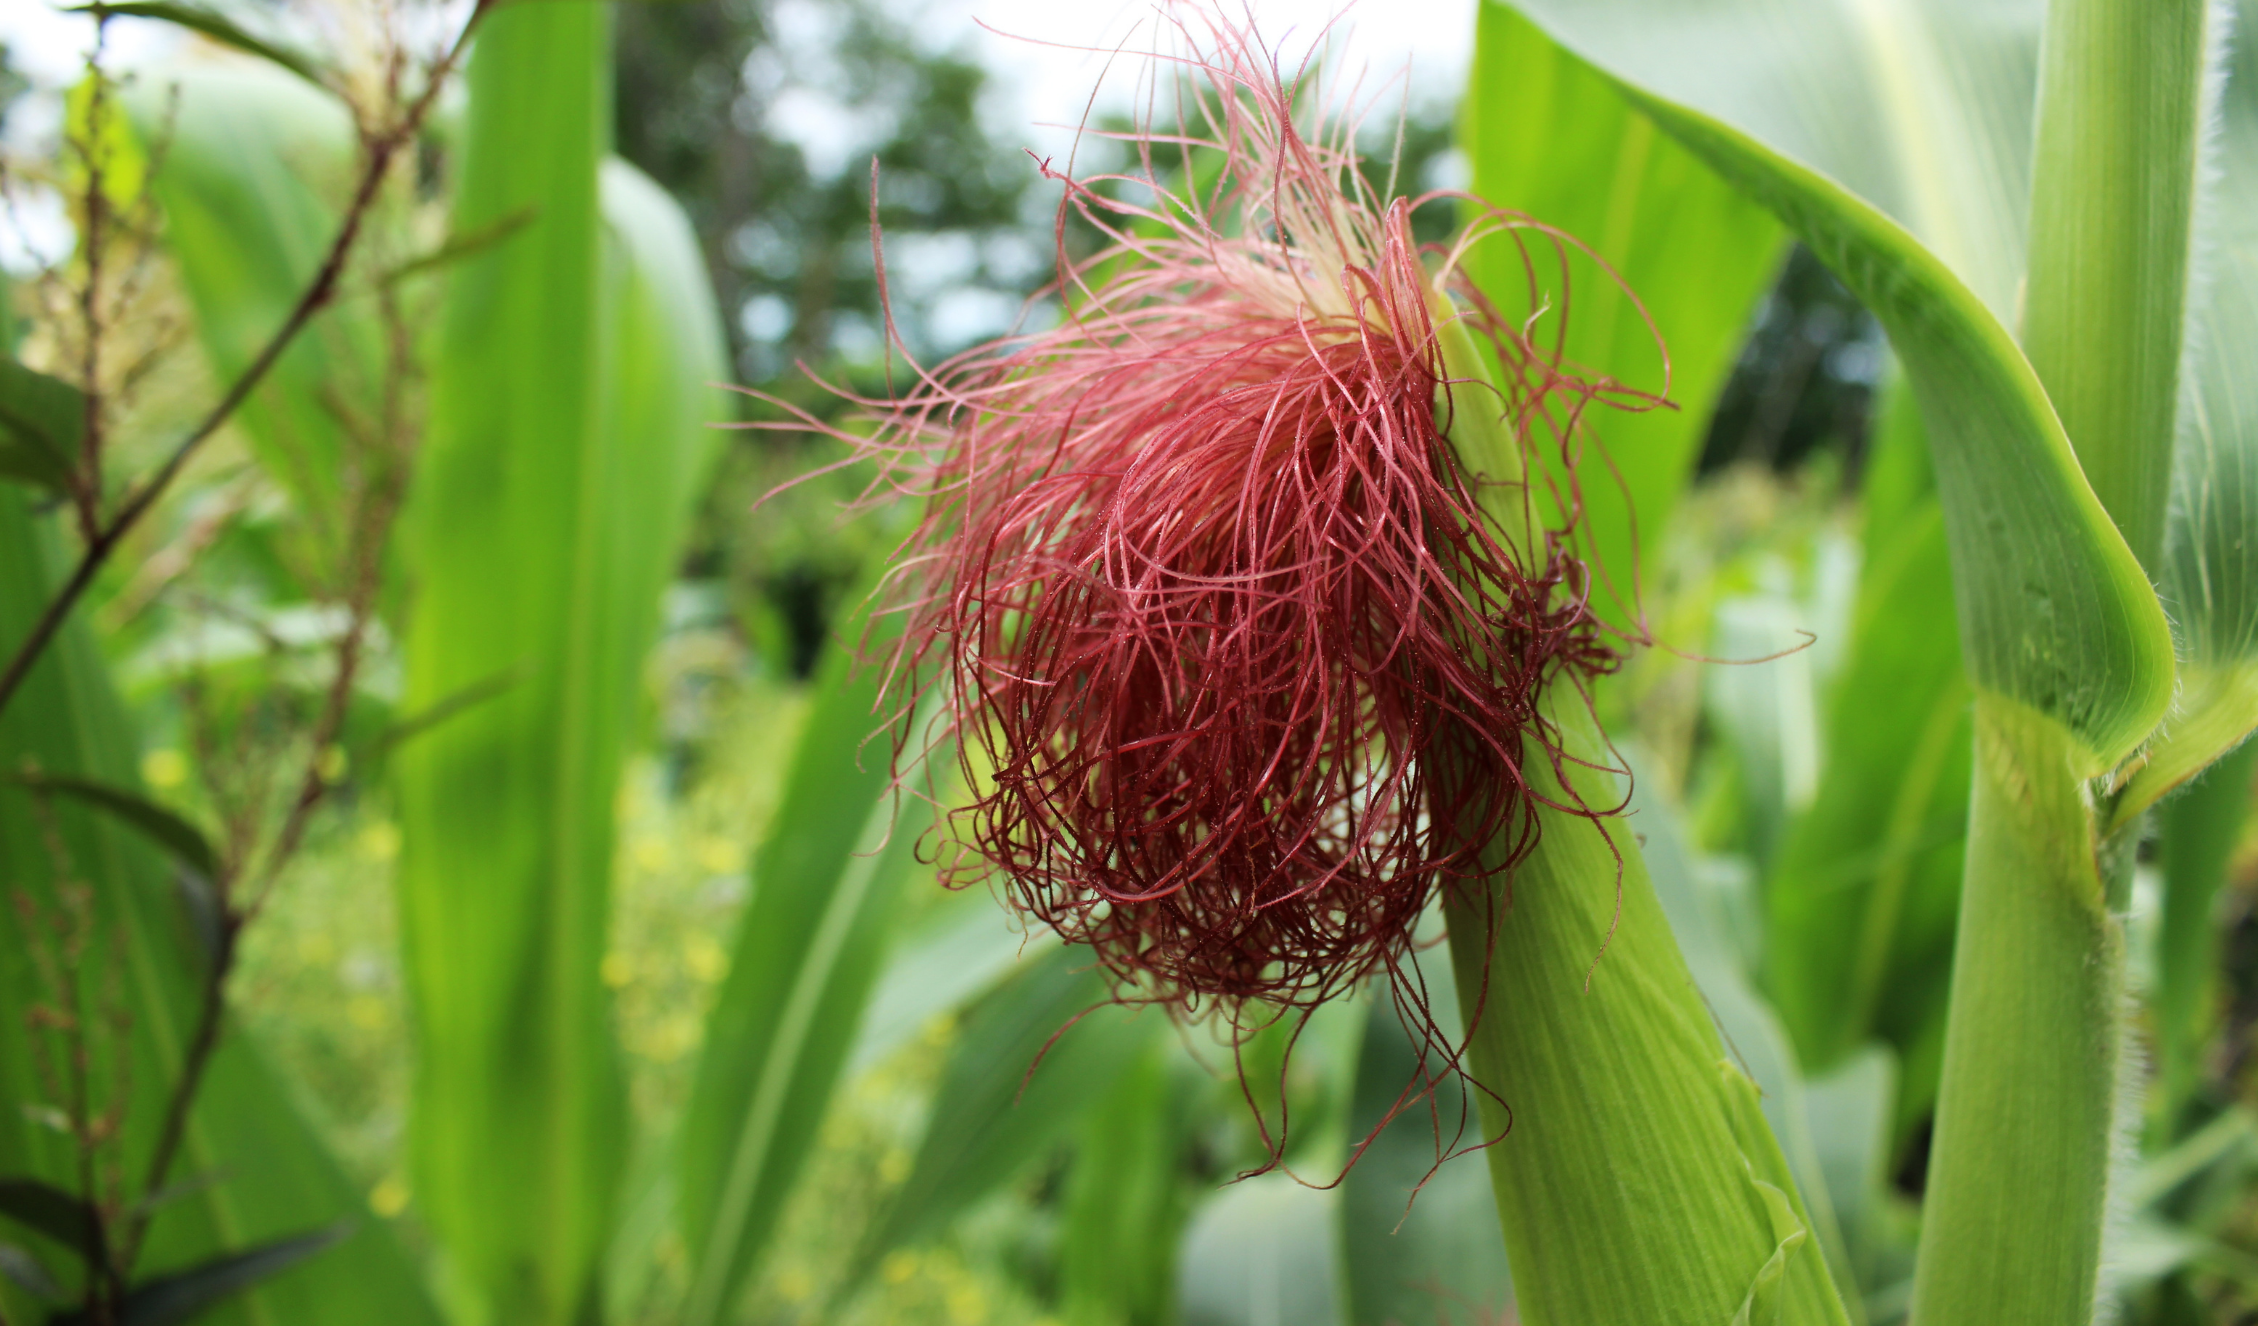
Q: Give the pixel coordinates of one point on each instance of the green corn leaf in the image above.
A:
(967, 946)
(1578, 1002)
(2200, 829)
(998, 1108)
(809, 950)
(1891, 162)
(2063, 638)
(458, 247)
(1767, 712)
(1851, 1131)
(255, 165)
(2211, 564)
(565, 442)
(41, 419)
(1694, 252)
(24, 1269)
(1605, 1057)
(276, 1177)
(159, 825)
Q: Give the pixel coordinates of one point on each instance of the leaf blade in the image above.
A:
(170, 1300)
(1693, 252)
(42, 1206)
(807, 955)
(1026, 1063)
(553, 489)
(220, 28)
(160, 826)
(41, 418)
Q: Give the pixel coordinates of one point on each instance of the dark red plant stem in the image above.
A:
(86, 482)
(317, 295)
(211, 1012)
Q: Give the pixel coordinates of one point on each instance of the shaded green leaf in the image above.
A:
(217, 26)
(1850, 1115)
(2200, 829)
(1418, 1243)
(1767, 711)
(1262, 1253)
(61, 1216)
(159, 825)
(1124, 1203)
(970, 945)
(183, 1296)
(1860, 907)
(41, 420)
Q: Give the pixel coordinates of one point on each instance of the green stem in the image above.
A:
(1636, 1179)
(2019, 1172)
(2112, 211)
(2012, 1225)
(2200, 826)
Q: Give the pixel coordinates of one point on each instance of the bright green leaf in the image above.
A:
(2055, 612)
(256, 166)
(1692, 251)
(567, 434)
(459, 247)
(1752, 1033)
(1124, 1203)
(2211, 569)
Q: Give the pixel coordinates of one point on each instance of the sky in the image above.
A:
(1432, 38)
(1039, 91)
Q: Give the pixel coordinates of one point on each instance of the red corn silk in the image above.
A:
(1240, 669)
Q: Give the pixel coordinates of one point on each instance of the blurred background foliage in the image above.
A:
(899, 1172)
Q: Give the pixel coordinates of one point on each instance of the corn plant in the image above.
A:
(1285, 610)
(1915, 175)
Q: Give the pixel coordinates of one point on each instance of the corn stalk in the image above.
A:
(2036, 1028)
